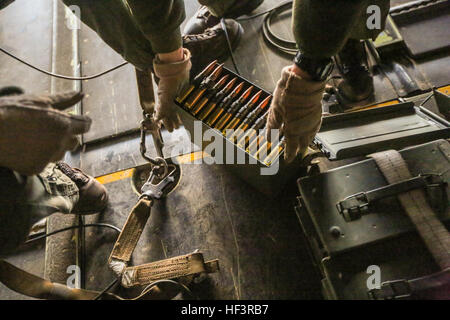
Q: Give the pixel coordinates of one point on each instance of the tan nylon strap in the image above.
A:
(171, 268)
(414, 202)
(132, 230)
(145, 274)
(145, 90)
(30, 285)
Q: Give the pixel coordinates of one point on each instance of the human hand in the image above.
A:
(173, 79)
(296, 110)
(34, 132)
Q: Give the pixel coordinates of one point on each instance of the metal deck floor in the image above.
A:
(259, 241)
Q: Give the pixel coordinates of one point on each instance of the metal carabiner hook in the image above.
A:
(147, 125)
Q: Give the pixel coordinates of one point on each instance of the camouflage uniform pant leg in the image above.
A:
(26, 200)
(112, 20)
(322, 27)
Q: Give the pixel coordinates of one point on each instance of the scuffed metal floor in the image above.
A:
(259, 241)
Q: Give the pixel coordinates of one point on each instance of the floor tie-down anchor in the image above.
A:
(177, 267)
(162, 179)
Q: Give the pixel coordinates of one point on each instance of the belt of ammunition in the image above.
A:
(247, 139)
(196, 82)
(233, 108)
(207, 84)
(204, 113)
(209, 94)
(242, 113)
(274, 153)
(223, 106)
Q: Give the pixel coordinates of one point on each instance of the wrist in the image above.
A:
(315, 69)
(300, 72)
(173, 56)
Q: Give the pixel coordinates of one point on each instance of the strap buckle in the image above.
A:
(354, 206)
(392, 290)
(156, 188)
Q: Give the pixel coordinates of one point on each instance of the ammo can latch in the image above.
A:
(354, 206)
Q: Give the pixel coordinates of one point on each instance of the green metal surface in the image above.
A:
(393, 127)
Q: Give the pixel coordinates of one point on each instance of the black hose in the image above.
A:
(230, 48)
(101, 225)
(283, 45)
(59, 75)
(280, 44)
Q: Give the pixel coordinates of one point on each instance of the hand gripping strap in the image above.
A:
(145, 274)
(430, 228)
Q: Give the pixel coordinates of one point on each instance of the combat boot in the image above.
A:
(212, 44)
(93, 196)
(204, 18)
(357, 82)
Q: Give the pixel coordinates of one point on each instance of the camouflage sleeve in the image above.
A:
(112, 21)
(322, 27)
(160, 22)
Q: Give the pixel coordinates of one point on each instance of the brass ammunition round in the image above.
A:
(196, 82)
(274, 153)
(209, 94)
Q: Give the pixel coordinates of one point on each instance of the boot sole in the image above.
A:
(92, 211)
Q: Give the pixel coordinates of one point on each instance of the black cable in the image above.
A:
(148, 288)
(230, 48)
(59, 75)
(154, 283)
(268, 34)
(102, 225)
(427, 98)
(283, 45)
(101, 293)
(105, 290)
(279, 43)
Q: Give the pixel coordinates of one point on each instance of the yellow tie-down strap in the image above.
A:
(176, 267)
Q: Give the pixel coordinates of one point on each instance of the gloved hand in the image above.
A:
(173, 79)
(33, 132)
(297, 106)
